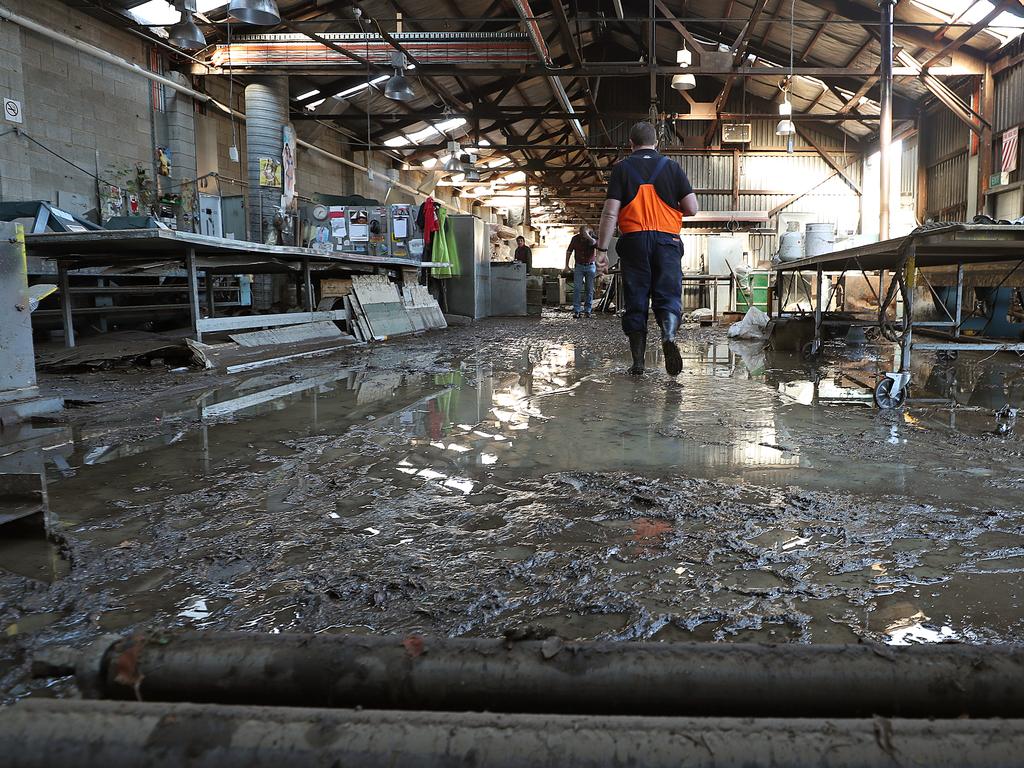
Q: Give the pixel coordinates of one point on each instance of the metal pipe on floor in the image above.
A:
(712, 679)
(47, 733)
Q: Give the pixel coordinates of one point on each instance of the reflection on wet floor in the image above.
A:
(752, 498)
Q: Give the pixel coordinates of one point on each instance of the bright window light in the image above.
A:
(162, 12)
(360, 87)
(308, 94)
(430, 131)
(429, 163)
(1005, 27)
(314, 104)
(484, 143)
(498, 162)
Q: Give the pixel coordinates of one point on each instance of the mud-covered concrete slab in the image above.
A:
(509, 477)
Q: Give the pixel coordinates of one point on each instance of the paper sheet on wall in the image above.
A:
(401, 229)
(361, 232)
(338, 229)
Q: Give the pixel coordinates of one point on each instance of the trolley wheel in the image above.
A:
(872, 333)
(884, 398)
(811, 351)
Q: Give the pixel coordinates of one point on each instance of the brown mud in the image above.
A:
(510, 477)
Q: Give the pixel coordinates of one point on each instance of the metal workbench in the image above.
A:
(997, 248)
(211, 255)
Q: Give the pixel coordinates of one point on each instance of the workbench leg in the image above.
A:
(908, 311)
(817, 310)
(307, 285)
(193, 292)
(959, 298)
(65, 305)
(211, 302)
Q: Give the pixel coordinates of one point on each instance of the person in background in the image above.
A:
(581, 247)
(524, 253)
(648, 195)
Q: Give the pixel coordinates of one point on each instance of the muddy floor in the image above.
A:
(509, 477)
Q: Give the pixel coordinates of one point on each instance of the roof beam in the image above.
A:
(678, 27)
(828, 158)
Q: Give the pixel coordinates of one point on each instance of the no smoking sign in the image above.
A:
(12, 111)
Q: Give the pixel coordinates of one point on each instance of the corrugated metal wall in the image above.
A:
(946, 145)
(1009, 98)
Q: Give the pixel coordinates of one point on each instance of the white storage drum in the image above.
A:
(821, 238)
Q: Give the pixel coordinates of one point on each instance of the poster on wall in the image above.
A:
(288, 168)
(270, 172)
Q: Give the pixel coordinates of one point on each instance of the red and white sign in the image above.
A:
(1010, 150)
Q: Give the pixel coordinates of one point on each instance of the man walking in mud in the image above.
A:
(648, 195)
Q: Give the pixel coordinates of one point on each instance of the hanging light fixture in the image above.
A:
(397, 87)
(261, 13)
(453, 164)
(186, 34)
(685, 81)
(785, 126)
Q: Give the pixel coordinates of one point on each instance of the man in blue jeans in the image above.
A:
(648, 195)
(582, 247)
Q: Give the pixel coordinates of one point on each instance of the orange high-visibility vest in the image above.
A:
(647, 211)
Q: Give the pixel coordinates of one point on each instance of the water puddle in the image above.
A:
(751, 498)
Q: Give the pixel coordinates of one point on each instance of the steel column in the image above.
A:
(885, 118)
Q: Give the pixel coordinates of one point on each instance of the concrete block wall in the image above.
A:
(73, 103)
(101, 116)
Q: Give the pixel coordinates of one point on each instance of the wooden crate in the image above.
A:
(335, 287)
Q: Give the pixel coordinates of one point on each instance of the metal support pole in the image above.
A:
(714, 298)
(193, 292)
(65, 304)
(307, 284)
(959, 298)
(885, 117)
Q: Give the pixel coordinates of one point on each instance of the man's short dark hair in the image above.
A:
(643, 135)
(520, 237)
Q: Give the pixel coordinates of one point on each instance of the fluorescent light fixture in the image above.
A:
(314, 104)
(308, 94)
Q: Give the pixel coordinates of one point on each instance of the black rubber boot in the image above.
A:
(669, 324)
(637, 348)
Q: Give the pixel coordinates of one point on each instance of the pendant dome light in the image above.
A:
(397, 88)
(186, 34)
(453, 164)
(684, 81)
(261, 13)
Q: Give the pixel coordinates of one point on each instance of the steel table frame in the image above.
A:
(955, 245)
(197, 253)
